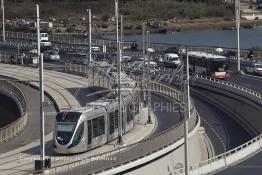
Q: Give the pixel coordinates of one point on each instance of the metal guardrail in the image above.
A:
(17, 126)
(230, 84)
(78, 68)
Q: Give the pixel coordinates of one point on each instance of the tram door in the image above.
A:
(89, 134)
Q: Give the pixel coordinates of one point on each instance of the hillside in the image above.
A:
(133, 9)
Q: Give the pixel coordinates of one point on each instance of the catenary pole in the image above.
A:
(41, 85)
(187, 113)
(3, 16)
(120, 118)
(90, 34)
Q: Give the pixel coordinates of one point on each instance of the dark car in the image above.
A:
(230, 53)
(44, 48)
(172, 50)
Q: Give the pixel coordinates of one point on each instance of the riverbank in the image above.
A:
(185, 25)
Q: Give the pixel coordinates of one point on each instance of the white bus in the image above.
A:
(208, 64)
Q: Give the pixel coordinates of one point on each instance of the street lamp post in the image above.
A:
(144, 55)
(3, 15)
(187, 112)
(120, 118)
(90, 34)
(237, 11)
(41, 85)
(149, 50)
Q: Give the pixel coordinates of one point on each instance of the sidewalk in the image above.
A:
(22, 159)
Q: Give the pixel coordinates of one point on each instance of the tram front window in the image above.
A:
(65, 126)
(65, 131)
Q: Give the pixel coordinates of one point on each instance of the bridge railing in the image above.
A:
(230, 84)
(17, 126)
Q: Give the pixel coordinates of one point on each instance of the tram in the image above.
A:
(79, 130)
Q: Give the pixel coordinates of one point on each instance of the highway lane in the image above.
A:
(253, 164)
(251, 82)
(165, 112)
(224, 132)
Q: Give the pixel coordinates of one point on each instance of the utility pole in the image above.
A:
(3, 15)
(149, 50)
(237, 11)
(90, 34)
(41, 85)
(187, 113)
(144, 57)
(120, 132)
(121, 35)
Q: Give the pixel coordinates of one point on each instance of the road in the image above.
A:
(224, 132)
(251, 165)
(31, 131)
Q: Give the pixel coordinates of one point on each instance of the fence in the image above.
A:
(83, 42)
(14, 128)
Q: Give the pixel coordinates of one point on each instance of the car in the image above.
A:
(172, 50)
(44, 48)
(78, 58)
(45, 43)
(42, 43)
(51, 55)
(126, 58)
(255, 68)
(140, 63)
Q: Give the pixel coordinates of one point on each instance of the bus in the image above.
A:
(208, 64)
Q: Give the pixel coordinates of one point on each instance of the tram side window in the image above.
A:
(129, 112)
(116, 118)
(101, 122)
(111, 122)
(98, 126)
(95, 127)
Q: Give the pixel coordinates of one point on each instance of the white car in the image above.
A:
(126, 58)
(45, 43)
(255, 69)
(51, 55)
(140, 63)
(42, 43)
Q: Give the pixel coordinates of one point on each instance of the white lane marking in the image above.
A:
(216, 133)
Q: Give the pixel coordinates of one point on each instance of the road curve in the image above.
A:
(251, 165)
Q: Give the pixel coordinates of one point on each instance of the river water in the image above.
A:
(219, 38)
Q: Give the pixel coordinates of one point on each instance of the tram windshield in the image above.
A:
(66, 123)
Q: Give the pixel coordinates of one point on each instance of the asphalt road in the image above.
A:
(223, 131)
(251, 82)
(253, 164)
(31, 132)
(165, 112)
